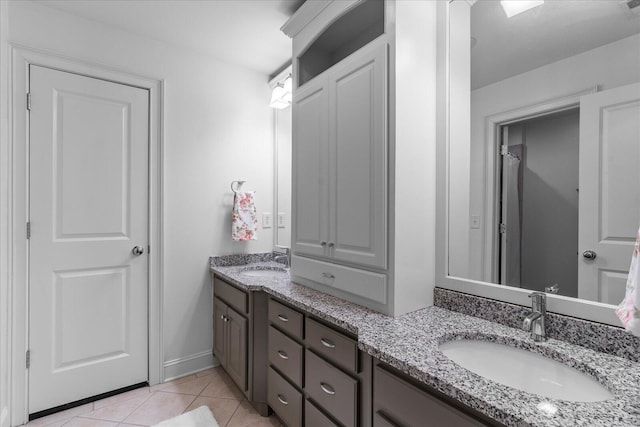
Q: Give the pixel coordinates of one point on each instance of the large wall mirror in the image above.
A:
(542, 181)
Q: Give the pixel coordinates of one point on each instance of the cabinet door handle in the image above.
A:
(222, 317)
(282, 399)
(283, 317)
(323, 243)
(325, 342)
(327, 388)
(331, 244)
(328, 276)
(283, 355)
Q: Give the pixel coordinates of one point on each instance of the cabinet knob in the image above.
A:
(331, 244)
(323, 243)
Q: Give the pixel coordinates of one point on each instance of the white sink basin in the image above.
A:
(525, 370)
(275, 273)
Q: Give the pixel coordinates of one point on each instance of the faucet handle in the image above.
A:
(538, 301)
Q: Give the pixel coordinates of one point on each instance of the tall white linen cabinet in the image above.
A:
(364, 126)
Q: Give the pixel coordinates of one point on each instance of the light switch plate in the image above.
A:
(281, 218)
(267, 220)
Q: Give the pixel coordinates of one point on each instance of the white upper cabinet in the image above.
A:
(363, 151)
(340, 161)
(358, 158)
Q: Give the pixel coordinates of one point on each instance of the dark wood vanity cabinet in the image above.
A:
(398, 401)
(239, 339)
(317, 375)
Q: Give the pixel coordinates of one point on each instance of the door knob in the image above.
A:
(137, 250)
(589, 254)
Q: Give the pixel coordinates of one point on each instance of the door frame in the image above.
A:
(491, 208)
(18, 198)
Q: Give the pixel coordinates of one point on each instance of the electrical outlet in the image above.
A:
(281, 218)
(267, 220)
(475, 221)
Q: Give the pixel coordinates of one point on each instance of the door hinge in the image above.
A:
(29, 101)
(28, 230)
(28, 359)
(504, 149)
(503, 228)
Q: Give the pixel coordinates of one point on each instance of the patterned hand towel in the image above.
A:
(244, 221)
(628, 310)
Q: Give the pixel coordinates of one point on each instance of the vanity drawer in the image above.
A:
(314, 418)
(231, 295)
(284, 399)
(331, 388)
(363, 283)
(286, 319)
(396, 402)
(286, 355)
(331, 344)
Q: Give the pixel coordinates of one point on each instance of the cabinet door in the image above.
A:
(358, 157)
(237, 348)
(219, 314)
(310, 169)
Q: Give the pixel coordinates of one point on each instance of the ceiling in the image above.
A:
(505, 47)
(247, 32)
(243, 32)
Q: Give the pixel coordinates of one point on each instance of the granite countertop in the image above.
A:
(410, 344)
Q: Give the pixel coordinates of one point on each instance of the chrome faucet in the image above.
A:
(286, 256)
(535, 321)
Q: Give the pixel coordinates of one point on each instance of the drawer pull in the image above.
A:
(328, 276)
(327, 388)
(325, 342)
(282, 399)
(282, 355)
(283, 317)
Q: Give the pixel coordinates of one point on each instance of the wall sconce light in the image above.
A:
(282, 94)
(514, 7)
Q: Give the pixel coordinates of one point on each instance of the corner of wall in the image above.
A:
(188, 365)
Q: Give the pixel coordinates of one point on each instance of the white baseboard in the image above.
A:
(188, 365)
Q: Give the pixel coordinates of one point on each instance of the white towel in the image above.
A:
(244, 221)
(628, 310)
(200, 417)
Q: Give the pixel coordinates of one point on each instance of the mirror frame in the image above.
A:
(274, 119)
(583, 309)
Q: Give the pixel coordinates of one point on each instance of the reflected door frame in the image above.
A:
(21, 59)
(491, 237)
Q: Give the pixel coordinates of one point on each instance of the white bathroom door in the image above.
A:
(88, 208)
(609, 207)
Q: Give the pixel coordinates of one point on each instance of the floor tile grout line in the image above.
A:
(135, 409)
(234, 413)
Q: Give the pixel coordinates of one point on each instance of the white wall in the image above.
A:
(217, 128)
(609, 66)
(5, 308)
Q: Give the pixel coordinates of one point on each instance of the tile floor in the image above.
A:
(150, 405)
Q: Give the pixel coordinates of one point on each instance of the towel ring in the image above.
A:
(238, 184)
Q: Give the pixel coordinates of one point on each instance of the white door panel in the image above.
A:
(609, 196)
(88, 299)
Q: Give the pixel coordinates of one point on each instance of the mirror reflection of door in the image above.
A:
(539, 202)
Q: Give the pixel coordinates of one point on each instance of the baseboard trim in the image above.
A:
(188, 365)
